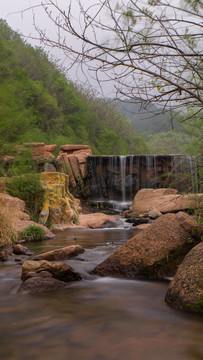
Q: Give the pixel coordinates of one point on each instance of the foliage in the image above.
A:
(32, 233)
(27, 187)
(169, 142)
(38, 103)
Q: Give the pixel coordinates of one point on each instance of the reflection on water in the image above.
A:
(96, 318)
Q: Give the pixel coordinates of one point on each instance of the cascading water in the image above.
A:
(114, 180)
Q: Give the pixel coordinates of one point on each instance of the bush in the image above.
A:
(27, 187)
(33, 232)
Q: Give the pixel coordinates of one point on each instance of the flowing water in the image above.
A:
(96, 318)
(113, 181)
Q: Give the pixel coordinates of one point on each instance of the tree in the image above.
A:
(151, 49)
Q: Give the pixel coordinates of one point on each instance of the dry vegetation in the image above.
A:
(7, 232)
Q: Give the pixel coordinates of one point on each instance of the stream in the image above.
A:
(96, 318)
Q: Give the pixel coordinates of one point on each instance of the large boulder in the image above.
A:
(59, 270)
(155, 252)
(164, 200)
(64, 253)
(185, 291)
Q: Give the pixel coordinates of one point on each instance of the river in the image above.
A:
(96, 318)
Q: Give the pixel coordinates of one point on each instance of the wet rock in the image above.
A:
(153, 253)
(59, 270)
(43, 274)
(18, 249)
(64, 253)
(3, 255)
(138, 220)
(40, 285)
(185, 291)
(5, 251)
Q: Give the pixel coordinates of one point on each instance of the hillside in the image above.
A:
(164, 132)
(148, 119)
(38, 103)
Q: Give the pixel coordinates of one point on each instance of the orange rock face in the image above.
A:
(73, 147)
(72, 159)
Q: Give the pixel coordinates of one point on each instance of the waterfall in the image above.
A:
(123, 176)
(114, 180)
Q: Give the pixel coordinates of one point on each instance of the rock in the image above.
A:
(74, 166)
(40, 285)
(5, 251)
(43, 217)
(64, 253)
(154, 213)
(59, 270)
(3, 255)
(59, 204)
(154, 253)
(164, 200)
(71, 148)
(72, 160)
(185, 291)
(138, 220)
(140, 227)
(18, 249)
(94, 221)
(49, 167)
(63, 165)
(42, 274)
(19, 219)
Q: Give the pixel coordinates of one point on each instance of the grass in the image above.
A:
(32, 233)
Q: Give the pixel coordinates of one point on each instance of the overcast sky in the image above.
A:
(11, 11)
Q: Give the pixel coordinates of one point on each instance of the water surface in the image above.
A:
(96, 318)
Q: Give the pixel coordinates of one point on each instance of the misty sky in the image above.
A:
(10, 10)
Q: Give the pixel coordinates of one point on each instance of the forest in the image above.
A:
(39, 104)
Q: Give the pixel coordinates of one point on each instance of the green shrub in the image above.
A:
(33, 232)
(27, 187)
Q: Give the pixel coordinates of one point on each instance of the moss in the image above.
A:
(198, 307)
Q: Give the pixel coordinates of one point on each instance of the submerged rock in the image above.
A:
(19, 249)
(64, 253)
(185, 291)
(154, 253)
(5, 251)
(40, 285)
(59, 270)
